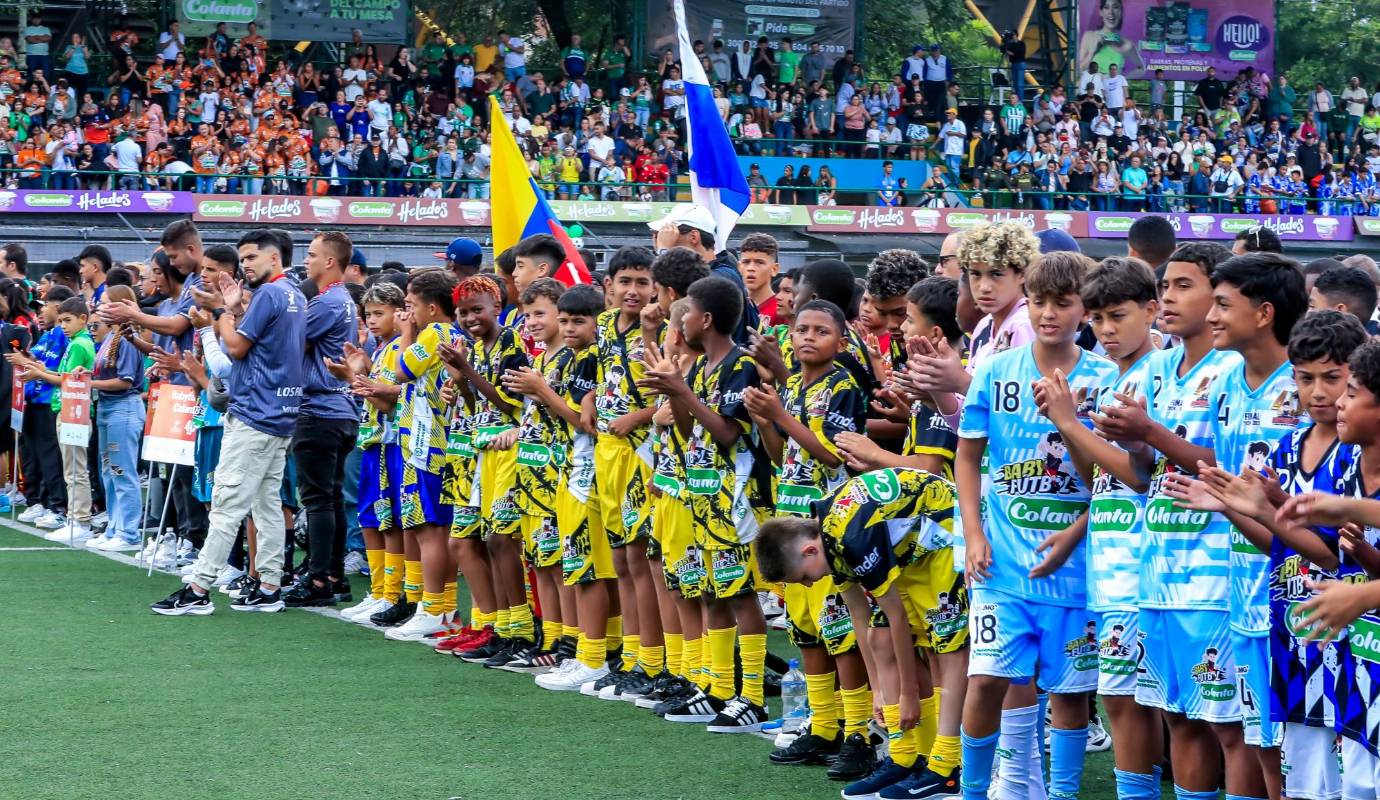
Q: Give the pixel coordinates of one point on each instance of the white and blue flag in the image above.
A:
(716, 179)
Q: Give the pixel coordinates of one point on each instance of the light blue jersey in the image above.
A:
(1184, 554)
(1034, 489)
(1247, 425)
(1116, 518)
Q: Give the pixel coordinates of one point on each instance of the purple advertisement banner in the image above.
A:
(1102, 225)
(39, 201)
(1182, 38)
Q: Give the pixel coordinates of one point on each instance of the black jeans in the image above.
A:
(320, 447)
(40, 459)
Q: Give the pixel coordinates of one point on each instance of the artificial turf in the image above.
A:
(102, 699)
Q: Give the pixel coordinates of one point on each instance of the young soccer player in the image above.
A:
(727, 479)
(798, 430)
(536, 257)
(783, 286)
(1347, 289)
(494, 418)
(1121, 299)
(424, 328)
(874, 534)
(1025, 557)
(586, 559)
(758, 266)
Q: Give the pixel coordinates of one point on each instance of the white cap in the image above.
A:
(688, 214)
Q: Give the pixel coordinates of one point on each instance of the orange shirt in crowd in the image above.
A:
(204, 154)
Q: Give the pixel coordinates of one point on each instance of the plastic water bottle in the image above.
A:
(795, 708)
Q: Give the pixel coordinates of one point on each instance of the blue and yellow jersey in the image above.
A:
(881, 522)
(831, 405)
(491, 361)
(422, 419)
(375, 426)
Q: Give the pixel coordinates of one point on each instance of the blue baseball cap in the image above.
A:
(1054, 240)
(464, 252)
(357, 257)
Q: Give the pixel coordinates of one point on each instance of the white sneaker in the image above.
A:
(355, 564)
(95, 540)
(227, 573)
(1099, 739)
(422, 624)
(114, 544)
(51, 520)
(73, 532)
(32, 513)
(188, 569)
(353, 611)
(571, 679)
(771, 605)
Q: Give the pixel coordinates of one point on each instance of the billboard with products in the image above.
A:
(1183, 37)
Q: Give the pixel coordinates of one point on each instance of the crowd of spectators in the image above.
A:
(221, 115)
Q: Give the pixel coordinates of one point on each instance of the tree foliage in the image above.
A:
(1328, 41)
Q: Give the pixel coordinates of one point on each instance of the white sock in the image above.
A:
(1019, 775)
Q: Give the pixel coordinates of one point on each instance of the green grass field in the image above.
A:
(101, 698)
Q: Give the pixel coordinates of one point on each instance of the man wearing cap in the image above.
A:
(693, 226)
(954, 135)
(463, 257)
(358, 268)
(936, 79)
(915, 65)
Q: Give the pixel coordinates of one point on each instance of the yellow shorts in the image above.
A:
(819, 617)
(541, 541)
(498, 512)
(681, 564)
(620, 484)
(585, 552)
(936, 601)
(461, 492)
(730, 571)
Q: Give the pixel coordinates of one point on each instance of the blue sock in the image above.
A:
(1135, 786)
(977, 760)
(1158, 779)
(1181, 793)
(1067, 749)
(1243, 797)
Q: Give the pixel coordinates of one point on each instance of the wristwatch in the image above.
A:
(217, 312)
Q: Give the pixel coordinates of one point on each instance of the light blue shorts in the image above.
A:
(1014, 637)
(1120, 653)
(1253, 686)
(1189, 667)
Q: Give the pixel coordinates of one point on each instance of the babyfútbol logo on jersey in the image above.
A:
(1083, 651)
(1212, 678)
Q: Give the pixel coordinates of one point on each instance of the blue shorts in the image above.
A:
(1189, 666)
(1014, 637)
(759, 102)
(1121, 653)
(207, 455)
(419, 500)
(376, 490)
(1253, 686)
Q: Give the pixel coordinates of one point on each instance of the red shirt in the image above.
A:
(767, 308)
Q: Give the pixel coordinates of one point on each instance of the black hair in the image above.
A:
(506, 261)
(937, 298)
(677, 268)
(434, 286)
(825, 307)
(1268, 278)
(588, 256)
(119, 276)
(160, 259)
(629, 257)
(582, 300)
(1118, 280)
(1365, 366)
(783, 275)
(829, 279)
(58, 294)
(1320, 265)
(224, 255)
(893, 272)
(393, 266)
(1260, 239)
(550, 288)
(721, 299)
(97, 252)
(760, 243)
(1207, 255)
(18, 254)
(1350, 286)
(1326, 334)
(398, 279)
(267, 238)
(776, 541)
(1152, 237)
(66, 269)
(178, 232)
(541, 247)
(356, 292)
(76, 306)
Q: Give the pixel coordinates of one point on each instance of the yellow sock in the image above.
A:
(613, 633)
(928, 727)
(449, 600)
(591, 652)
(675, 653)
(903, 750)
(946, 755)
(721, 662)
(375, 559)
(550, 632)
(857, 710)
(521, 624)
(819, 690)
(412, 581)
(632, 643)
(392, 576)
(431, 602)
(570, 631)
(652, 658)
(838, 705)
(504, 619)
(752, 648)
(692, 662)
(478, 619)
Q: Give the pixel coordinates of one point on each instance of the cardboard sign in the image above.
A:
(171, 438)
(74, 419)
(154, 388)
(17, 403)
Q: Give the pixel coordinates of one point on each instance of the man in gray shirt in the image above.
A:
(723, 68)
(814, 64)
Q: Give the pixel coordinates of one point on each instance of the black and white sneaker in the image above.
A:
(634, 684)
(678, 691)
(855, 759)
(396, 614)
(806, 749)
(237, 587)
(524, 660)
(481, 654)
(259, 600)
(740, 715)
(307, 593)
(184, 602)
(698, 708)
(511, 650)
(664, 687)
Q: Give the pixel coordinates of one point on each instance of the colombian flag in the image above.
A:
(518, 206)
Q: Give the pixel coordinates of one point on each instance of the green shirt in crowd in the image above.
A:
(80, 352)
